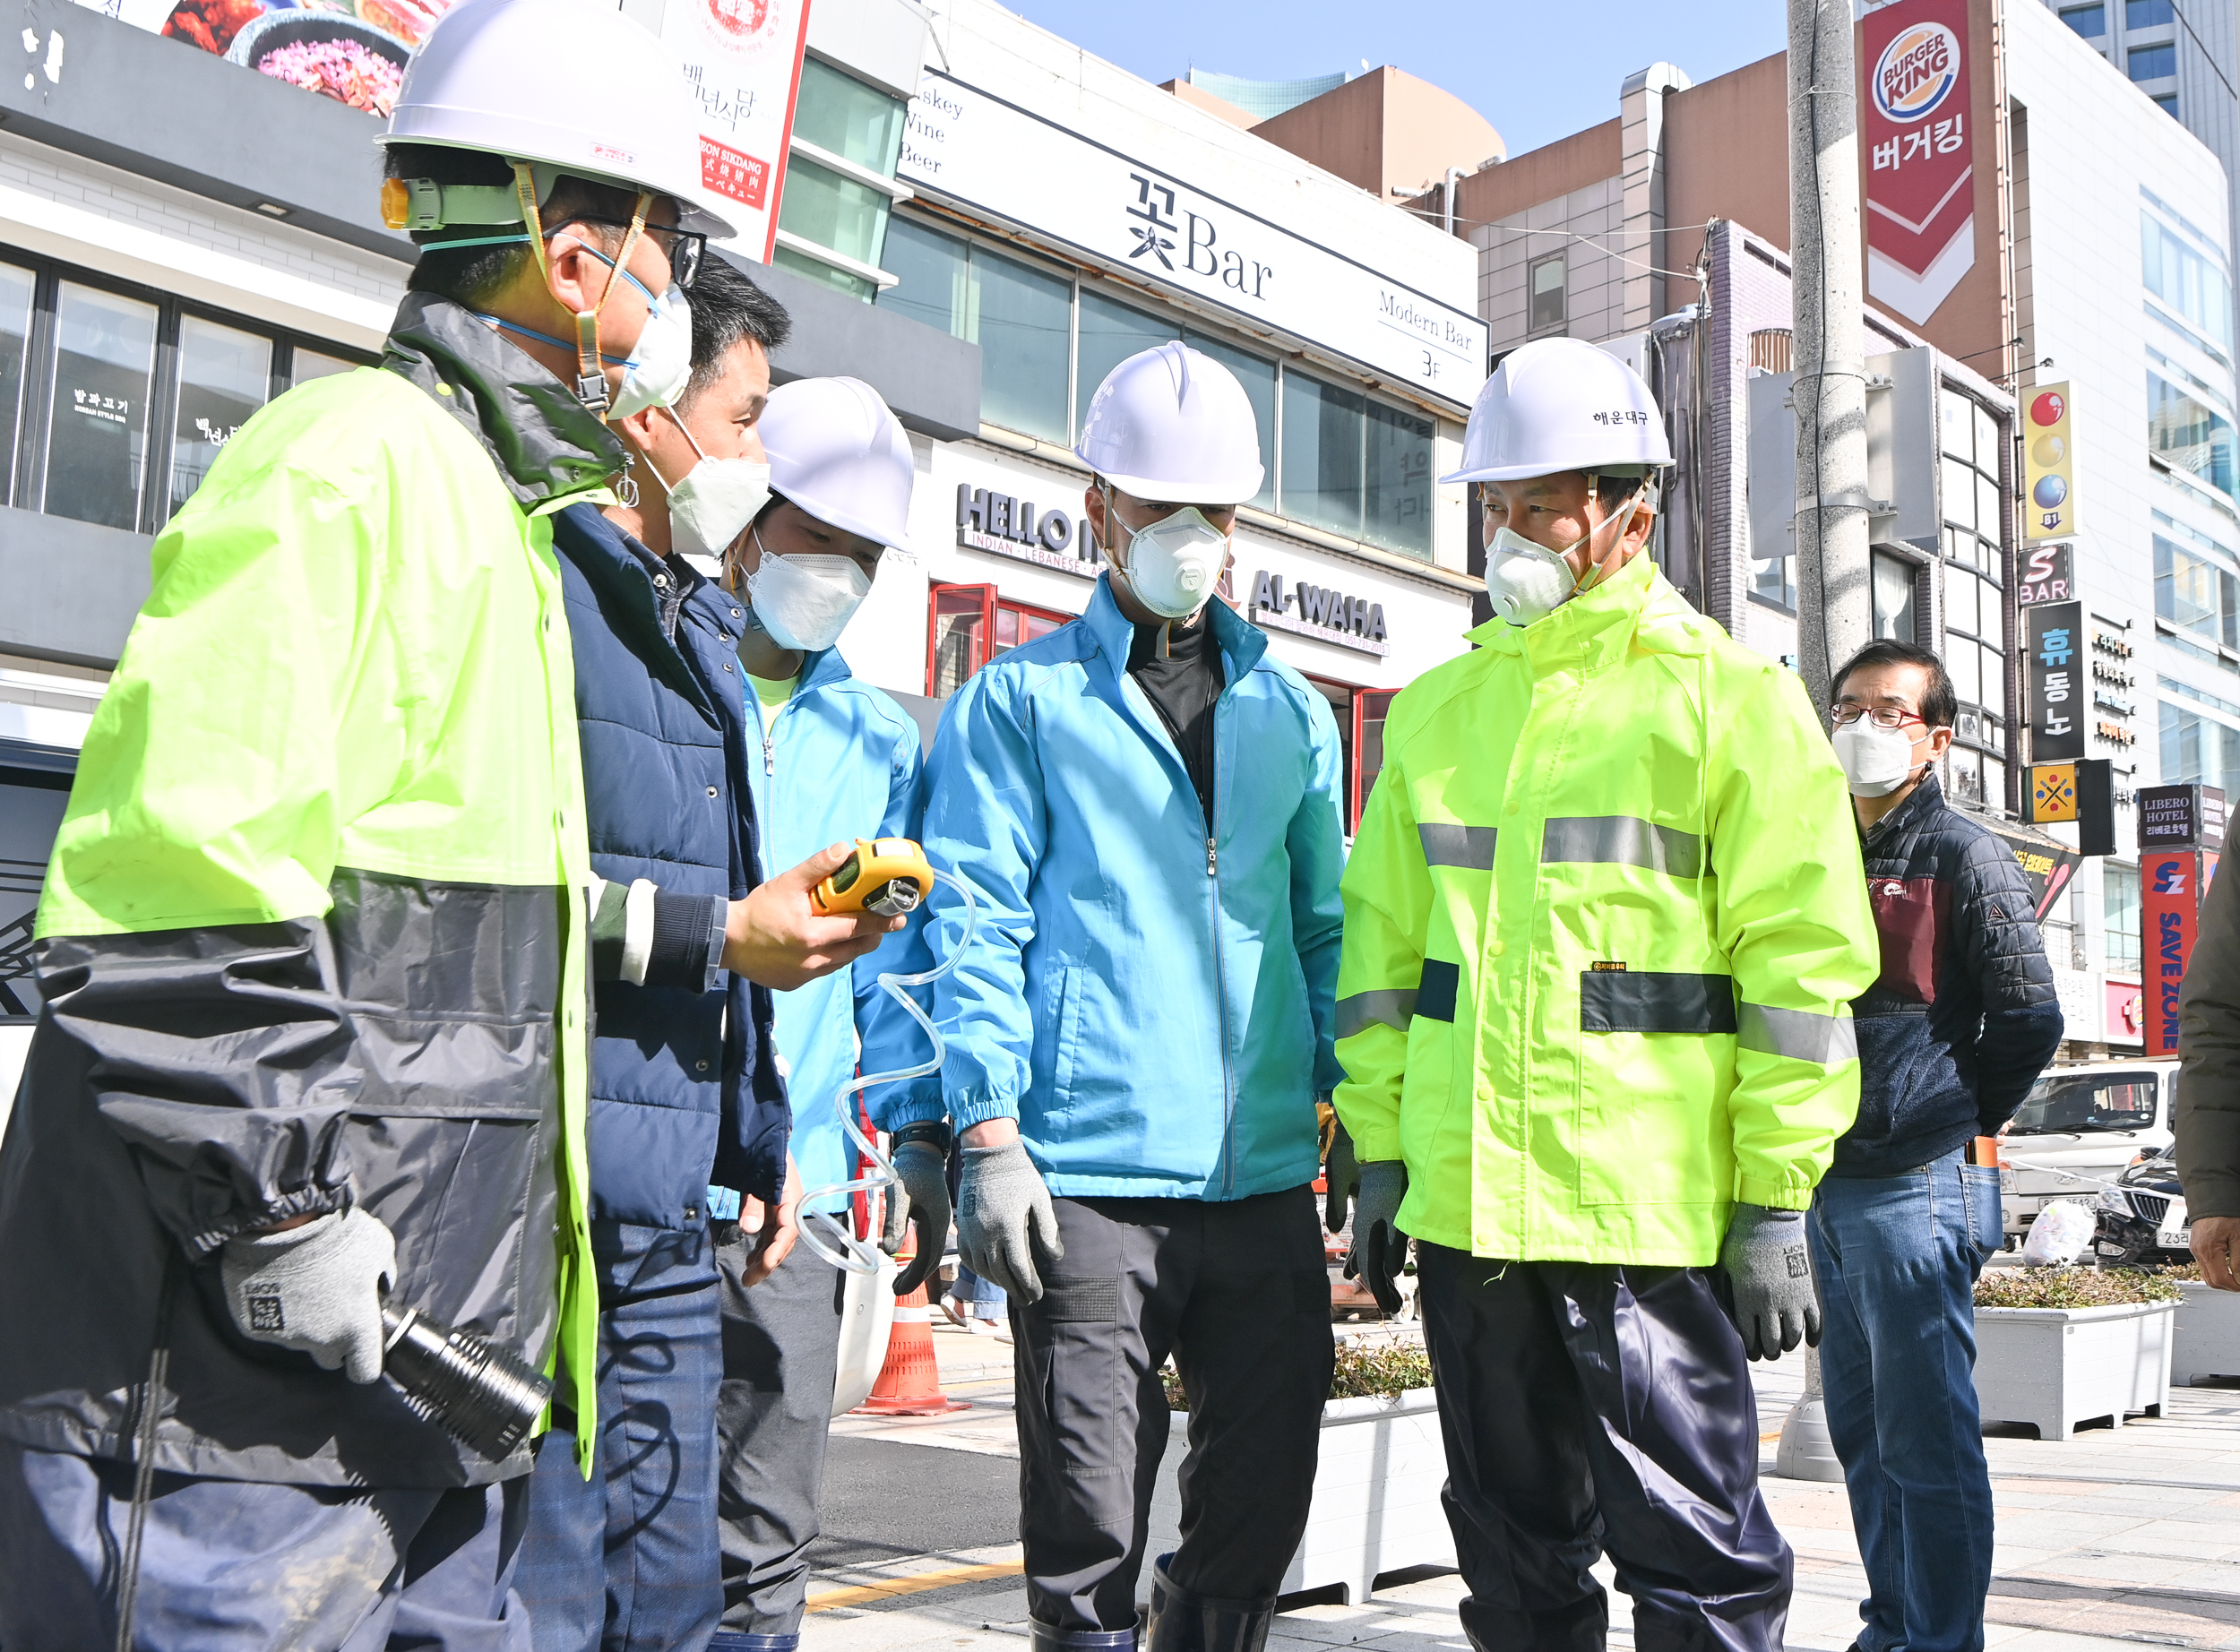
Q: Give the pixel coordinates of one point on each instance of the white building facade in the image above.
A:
(1067, 215)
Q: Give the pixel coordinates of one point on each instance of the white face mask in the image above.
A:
(661, 366)
(1174, 564)
(1526, 582)
(805, 602)
(1875, 761)
(714, 501)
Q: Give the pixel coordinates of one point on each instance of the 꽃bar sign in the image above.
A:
(1920, 179)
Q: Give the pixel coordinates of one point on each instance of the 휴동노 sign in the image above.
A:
(2054, 636)
(987, 152)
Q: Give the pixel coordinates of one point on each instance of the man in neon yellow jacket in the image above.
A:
(1603, 922)
(314, 939)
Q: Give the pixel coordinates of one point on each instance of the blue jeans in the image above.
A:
(983, 1299)
(630, 1558)
(1896, 1259)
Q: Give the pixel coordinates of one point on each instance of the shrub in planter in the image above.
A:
(2057, 1346)
(2072, 1287)
(1363, 1371)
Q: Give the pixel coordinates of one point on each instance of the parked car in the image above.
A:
(2142, 1217)
(2079, 1127)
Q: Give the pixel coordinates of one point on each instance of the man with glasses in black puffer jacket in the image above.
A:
(1952, 1036)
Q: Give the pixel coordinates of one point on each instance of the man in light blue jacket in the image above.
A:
(837, 761)
(1146, 804)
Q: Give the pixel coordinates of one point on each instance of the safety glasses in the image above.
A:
(684, 247)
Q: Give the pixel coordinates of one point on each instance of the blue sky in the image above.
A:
(1537, 71)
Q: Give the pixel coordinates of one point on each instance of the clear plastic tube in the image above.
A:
(831, 1236)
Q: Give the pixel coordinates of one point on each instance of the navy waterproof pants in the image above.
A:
(1588, 1407)
(242, 1566)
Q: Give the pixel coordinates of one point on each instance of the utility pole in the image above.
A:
(1834, 598)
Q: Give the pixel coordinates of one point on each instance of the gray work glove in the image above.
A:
(1771, 1267)
(923, 1199)
(317, 1288)
(1379, 1249)
(1006, 1230)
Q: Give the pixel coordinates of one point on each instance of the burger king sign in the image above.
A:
(1920, 194)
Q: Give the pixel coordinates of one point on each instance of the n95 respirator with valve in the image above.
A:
(1174, 565)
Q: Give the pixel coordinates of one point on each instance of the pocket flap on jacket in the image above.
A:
(1655, 1001)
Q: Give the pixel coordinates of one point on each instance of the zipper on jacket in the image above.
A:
(769, 750)
(1221, 971)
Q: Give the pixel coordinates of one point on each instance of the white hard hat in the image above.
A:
(570, 83)
(1171, 425)
(1562, 404)
(837, 452)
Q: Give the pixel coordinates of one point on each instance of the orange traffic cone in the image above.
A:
(910, 1383)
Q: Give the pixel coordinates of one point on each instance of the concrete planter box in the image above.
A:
(2207, 1342)
(1375, 1507)
(2057, 1367)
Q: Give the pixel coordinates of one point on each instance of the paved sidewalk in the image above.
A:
(2129, 1534)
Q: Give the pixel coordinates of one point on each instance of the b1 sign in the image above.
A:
(1915, 120)
(743, 60)
(982, 152)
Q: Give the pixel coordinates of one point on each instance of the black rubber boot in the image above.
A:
(1044, 1639)
(1181, 1622)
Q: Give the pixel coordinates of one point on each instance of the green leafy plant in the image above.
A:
(2072, 1287)
(1362, 1370)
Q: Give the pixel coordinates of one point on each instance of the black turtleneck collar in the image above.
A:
(546, 442)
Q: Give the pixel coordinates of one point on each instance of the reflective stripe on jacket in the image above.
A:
(313, 928)
(839, 760)
(1604, 921)
(1154, 1008)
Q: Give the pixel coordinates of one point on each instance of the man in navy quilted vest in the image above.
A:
(687, 941)
(1952, 1036)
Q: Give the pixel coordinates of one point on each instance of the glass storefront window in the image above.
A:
(2119, 914)
(932, 275)
(1893, 598)
(2190, 435)
(1021, 317)
(842, 116)
(1016, 624)
(1110, 334)
(836, 213)
(224, 374)
(310, 365)
(97, 449)
(1396, 510)
(2184, 280)
(1371, 704)
(2199, 750)
(1322, 453)
(16, 289)
(959, 621)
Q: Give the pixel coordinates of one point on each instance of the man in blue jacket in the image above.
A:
(687, 941)
(1952, 1036)
(832, 760)
(1146, 804)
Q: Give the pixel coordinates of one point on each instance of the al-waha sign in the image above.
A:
(1920, 175)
